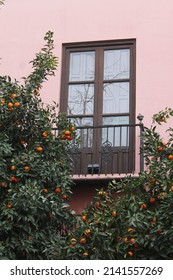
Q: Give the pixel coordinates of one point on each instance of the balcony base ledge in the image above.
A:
(104, 176)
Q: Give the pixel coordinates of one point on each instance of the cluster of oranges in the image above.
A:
(68, 134)
(12, 103)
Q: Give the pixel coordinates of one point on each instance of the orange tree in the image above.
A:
(35, 182)
(137, 222)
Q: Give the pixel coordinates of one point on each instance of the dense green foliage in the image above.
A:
(133, 218)
(35, 182)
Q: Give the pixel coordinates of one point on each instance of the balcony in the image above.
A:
(107, 151)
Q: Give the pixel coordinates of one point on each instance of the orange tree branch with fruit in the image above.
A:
(133, 217)
(35, 181)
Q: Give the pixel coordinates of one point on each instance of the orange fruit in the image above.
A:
(10, 105)
(67, 132)
(69, 137)
(126, 240)
(130, 253)
(85, 254)
(132, 240)
(72, 128)
(152, 200)
(171, 189)
(143, 206)
(9, 205)
(2, 101)
(26, 168)
(14, 179)
(58, 190)
(12, 168)
(152, 181)
(13, 95)
(98, 204)
(64, 196)
(84, 218)
(170, 157)
(162, 119)
(39, 149)
(83, 240)
(114, 213)
(130, 229)
(88, 232)
(3, 184)
(73, 241)
(36, 91)
(44, 134)
(159, 148)
(17, 104)
(45, 190)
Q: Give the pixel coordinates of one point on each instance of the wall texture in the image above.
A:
(23, 24)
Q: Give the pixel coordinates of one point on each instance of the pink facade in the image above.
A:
(23, 24)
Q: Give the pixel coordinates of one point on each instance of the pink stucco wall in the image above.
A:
(23, 24)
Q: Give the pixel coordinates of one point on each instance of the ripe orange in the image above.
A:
(159, 148)
(72, 128)
(14, 179)
(114, 213)
(143, 206)
(39, 149)
(69, 137)
(67, 132)
(13, 95)
(88, 232)
(73, 241)
(130, 229)
(17, 104)
(44, 134)
(152, 200)
(2, 101)
(154, 220)
(85, 254)
(10, 105)
(64, 196)
(162, 119)
(84, 218)
(83, 240)
(36, 91)
(3, 184)
(45, 190)
(132, 240)
(98, 204)
(22, 142)
(12, 168)
(58, 190)
(170, 157)
(9, 205)
(126, 240)
(171, 189)
(130, 253)
(26, 168)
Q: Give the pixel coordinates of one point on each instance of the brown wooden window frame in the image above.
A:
(99, 47)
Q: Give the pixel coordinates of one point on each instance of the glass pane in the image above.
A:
(116, 64)
(85, 134)
(82, 66)
(117, 136)
(81, 99)
(116, 98)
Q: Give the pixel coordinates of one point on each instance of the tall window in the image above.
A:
(98, 87)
